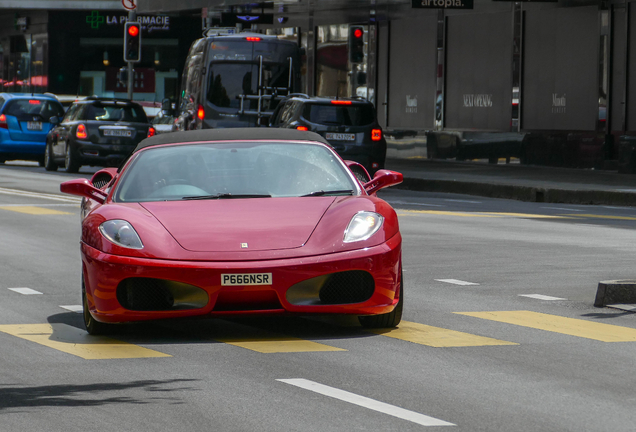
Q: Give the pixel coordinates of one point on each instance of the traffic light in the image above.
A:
(132, 42)
(356, 44)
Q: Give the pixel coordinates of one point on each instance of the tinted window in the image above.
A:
(226, 81)
(104, 112)
(71, 114)
(278, 170)
(351, 115)
(34, 107)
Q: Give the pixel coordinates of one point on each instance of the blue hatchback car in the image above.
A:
(24, 124)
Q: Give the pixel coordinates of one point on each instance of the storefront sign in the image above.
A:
(477, 101)
(149, 23)
(442, 4)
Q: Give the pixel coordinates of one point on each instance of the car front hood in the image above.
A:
(234, 225)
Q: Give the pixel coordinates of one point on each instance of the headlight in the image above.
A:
(362, 226)
(121, 233)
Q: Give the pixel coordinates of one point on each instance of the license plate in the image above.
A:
(340, 136)
(34, 126)
(246, 279)
(117, 132)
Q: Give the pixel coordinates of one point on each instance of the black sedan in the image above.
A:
(97, 132)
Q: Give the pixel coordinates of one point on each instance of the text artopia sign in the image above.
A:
(442, 4)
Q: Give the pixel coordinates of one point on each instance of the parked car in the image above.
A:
(96, 131)
(349, 125)
(24, 125)
(256, 221)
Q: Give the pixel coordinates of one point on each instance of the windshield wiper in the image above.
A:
(332, 192)
(226, 196)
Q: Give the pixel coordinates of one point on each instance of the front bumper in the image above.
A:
(294, 288)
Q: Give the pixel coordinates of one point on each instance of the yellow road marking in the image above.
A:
(77, 342)
(267, 342)
(558, 324)
(33, 210)
(437, 337)
(403, 212)
(603, 217)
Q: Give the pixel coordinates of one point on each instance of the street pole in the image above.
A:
(132, 16)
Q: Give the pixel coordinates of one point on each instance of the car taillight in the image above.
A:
(3, 122)
(376, 134)
(253, 39)
(302, 128)
(81, 132)
(201, 113)
(341, 102)
(151, 132)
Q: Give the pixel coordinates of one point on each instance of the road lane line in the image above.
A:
(72, 340)
(437, 337)
(456, 282)
(593, 216)
(366, 402)
(74, 308)
(25, 291)
(406, 212)
(541, 297)
(267, 342)
(558, 324)
(53, 197)
(33, 210)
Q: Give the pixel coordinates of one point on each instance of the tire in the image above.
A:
(93, 327)
(49, 163)
(387, 320)
(72, 161)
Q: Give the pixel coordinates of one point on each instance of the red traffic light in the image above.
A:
(133, 30)
(358, 33)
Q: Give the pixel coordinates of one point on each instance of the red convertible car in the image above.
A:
(237, 221)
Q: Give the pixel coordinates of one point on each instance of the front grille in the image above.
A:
(144, 294)
(354, 286)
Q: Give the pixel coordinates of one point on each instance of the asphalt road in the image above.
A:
(499, 332)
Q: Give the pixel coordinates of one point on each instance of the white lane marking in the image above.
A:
(562, 208)
(463, 201)
(40, 205)
(456, 282)
(366, 402)
(39, 195)
(25, 291)
(416, 204)
(625, 307)
(74, 308)
(541, 297)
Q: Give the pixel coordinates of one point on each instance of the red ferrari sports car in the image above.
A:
(237, 221)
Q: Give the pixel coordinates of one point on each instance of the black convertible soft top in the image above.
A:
(233, 134)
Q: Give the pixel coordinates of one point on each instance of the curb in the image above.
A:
(615, 292)
(521, 193)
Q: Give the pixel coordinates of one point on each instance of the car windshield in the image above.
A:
(234, 170)
(345, 115)
(128, 113)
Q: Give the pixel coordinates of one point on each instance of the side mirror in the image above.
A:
(83, 188)
(383, 179)
(55, 120)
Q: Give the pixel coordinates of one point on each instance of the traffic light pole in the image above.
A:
(132, 16)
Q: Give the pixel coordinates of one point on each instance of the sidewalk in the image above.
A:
(514, 181)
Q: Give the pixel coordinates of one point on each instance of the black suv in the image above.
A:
(349, 125)
(96, 131)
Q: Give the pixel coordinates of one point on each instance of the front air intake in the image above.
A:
(148, 294)
(354, 286)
